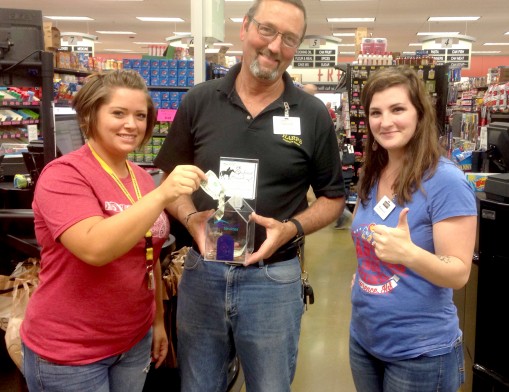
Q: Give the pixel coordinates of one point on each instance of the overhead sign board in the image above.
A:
(315, 58)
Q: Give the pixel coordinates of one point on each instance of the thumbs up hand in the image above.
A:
(393, 244)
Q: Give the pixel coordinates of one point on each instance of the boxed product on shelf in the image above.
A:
(477, 181)
(51, 36)
(13, 148)
(374, 45)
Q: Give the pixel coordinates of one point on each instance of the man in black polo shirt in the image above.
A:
(254, 112)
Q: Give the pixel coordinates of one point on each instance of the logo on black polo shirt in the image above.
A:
(292, 139)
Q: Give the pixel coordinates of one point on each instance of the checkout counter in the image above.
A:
(490, 368)
(482, 302)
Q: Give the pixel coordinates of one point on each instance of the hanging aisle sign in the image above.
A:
(455, 50)
(315, 58)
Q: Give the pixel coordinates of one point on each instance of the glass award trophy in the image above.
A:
(230, 233)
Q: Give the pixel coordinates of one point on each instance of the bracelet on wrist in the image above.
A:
(186, 223)
(300, 230)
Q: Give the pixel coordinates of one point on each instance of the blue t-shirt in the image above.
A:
(397, 314)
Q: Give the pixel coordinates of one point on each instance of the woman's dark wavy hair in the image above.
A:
(422, 152)
(97, 91)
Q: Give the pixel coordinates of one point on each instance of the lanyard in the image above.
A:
(149, 250)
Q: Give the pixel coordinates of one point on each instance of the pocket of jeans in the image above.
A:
(192, 260)
(284, 272)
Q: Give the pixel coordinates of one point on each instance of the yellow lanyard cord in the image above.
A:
(149, 250)
(110, 171)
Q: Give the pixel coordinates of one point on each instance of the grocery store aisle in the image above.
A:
(323, 350)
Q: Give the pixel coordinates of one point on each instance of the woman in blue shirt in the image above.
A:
(414, 231)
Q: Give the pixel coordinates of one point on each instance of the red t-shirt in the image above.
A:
(81, 313)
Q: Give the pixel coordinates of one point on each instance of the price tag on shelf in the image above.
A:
(166, 114)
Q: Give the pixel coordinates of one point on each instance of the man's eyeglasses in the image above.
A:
(289, 40)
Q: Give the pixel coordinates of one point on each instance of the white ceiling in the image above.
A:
(396, 20)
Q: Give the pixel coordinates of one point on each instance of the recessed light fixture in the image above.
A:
(116, 32)
(452, 18)
(350, 20)
(343, 34)
(74, 18)
(157, 19)
(438, 33)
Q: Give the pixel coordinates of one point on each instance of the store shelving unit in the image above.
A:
(34, 73)
(436, 78)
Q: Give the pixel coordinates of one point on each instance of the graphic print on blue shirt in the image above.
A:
(375, 275)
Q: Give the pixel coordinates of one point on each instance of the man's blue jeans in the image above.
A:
(443, 373)
(121, 373)
(254, 311)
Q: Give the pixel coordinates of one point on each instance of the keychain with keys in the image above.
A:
(151, 280)
(308, 294)
(149, 260)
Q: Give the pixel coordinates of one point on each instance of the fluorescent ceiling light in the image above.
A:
(238, 1)
(212, 50)
(65, 34)
(234, 52)
(116, 32)
(438, 33)
(341, 52)
(118, 50)
(452, 18)
(486, 51)
(415, 44)
(350, 20)
(237, 20)
(182, 33)
(75, 18)
(495, 43)
(506, 33)
(222, 44)
(150, 43)
(345, 45)
(343, 34)
(411, 53)
(157, 19)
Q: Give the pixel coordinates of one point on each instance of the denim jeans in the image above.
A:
(443, 373)
(121, 373)
(254, 311)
